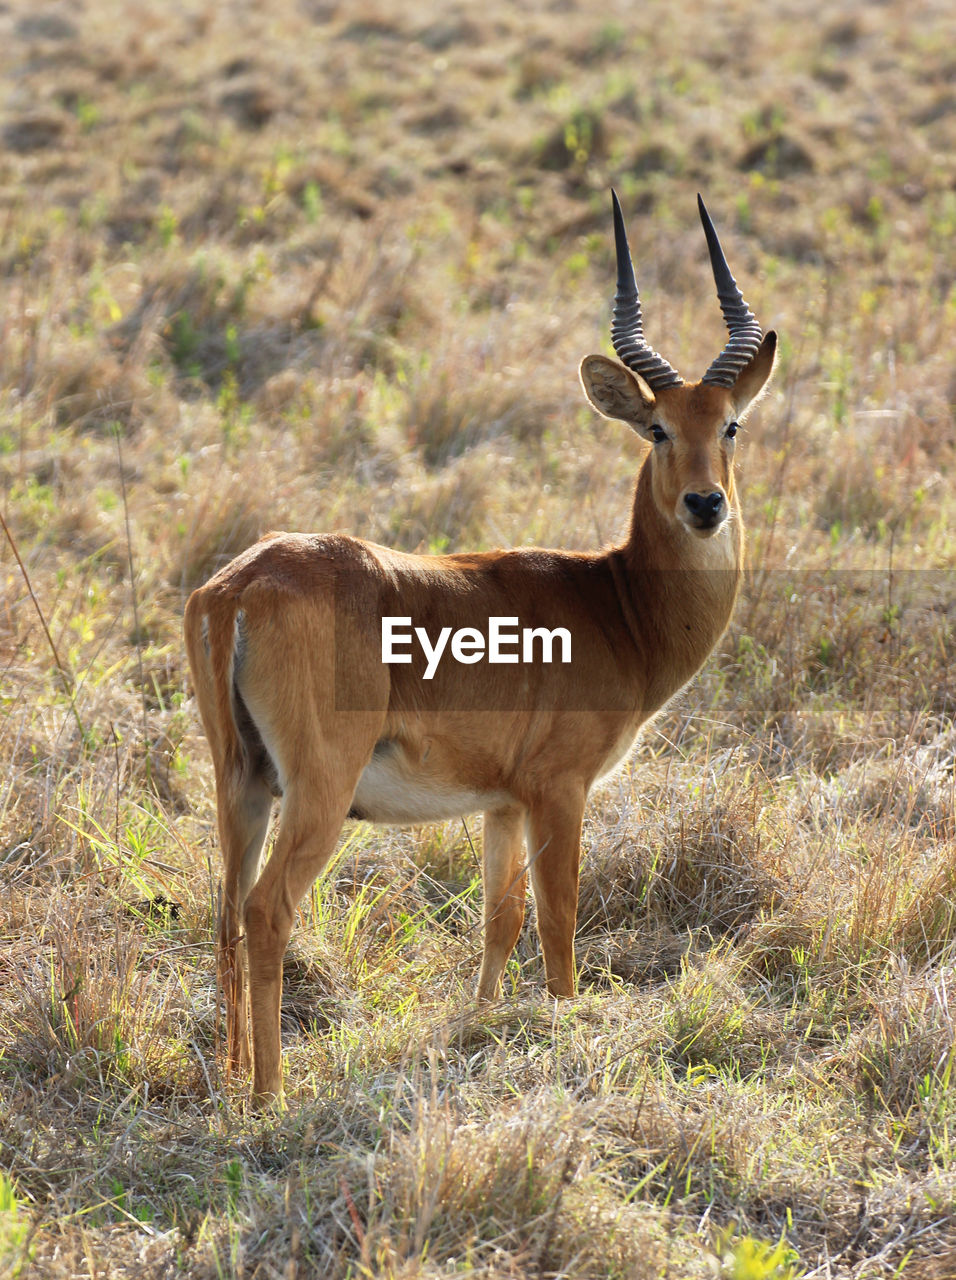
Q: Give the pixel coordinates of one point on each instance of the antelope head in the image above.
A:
(690, 425)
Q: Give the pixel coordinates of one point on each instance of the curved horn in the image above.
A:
(745, 332)
(627, 329)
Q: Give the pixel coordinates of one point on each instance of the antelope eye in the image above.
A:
(659, 434)
(731, 431)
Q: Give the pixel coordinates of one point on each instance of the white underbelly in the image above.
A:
(393, 790)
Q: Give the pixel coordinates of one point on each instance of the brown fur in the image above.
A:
(284, 645)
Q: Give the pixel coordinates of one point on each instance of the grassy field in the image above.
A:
(315, 265)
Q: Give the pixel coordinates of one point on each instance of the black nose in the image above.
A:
(706, 508)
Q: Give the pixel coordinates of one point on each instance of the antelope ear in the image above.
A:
(617, 392)
(754, 378)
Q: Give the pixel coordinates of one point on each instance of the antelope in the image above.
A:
(285, 647)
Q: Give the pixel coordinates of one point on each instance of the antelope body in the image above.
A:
(285, 650)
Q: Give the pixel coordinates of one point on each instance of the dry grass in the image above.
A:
(328, 266)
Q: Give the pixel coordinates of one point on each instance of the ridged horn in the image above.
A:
(745, 332)
(627, 329)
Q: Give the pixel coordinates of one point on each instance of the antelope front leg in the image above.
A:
(554, 851)
(505, 884)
